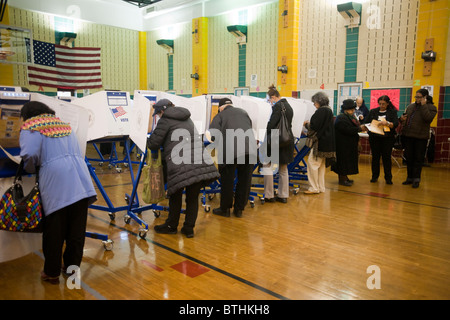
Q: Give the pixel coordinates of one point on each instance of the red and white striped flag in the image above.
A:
(63, 67)
(117, 112)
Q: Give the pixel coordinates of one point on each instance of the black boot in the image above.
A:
(237, 213)
(188, 232)
(221, 212)
(165, 229)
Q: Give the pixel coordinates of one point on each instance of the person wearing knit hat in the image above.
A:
(347, 128)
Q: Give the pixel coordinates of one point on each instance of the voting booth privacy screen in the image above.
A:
(11, 101)
(114, 114)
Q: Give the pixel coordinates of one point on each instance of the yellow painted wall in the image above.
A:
(288, 46)
(447, 58)
(200, 56)
(433, 22)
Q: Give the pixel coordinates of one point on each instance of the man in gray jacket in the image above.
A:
(416, 130)
(231, 131)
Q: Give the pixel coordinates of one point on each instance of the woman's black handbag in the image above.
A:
(286, 137)
(19, 212)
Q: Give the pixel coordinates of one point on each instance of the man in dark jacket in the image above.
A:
(231, 130)
(187, 166)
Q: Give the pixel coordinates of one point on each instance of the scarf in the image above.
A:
(48, 125)
(353, 119)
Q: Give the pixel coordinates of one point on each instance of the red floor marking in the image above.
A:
(190, 268)
(151, 265)
(382, 195)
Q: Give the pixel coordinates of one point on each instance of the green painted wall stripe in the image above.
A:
(351, 54)
(242, 65)
(446, 104)
(170, 63)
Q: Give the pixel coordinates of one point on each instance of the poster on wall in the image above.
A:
(348, 90)
(241, 91)
(393, 94)
(429, 88)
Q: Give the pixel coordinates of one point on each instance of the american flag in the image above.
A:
(117, 112)
(63, 67)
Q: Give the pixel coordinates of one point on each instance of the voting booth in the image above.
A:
(114, 118)
(198, 108)
(303, 110)
(259, 112)
(15, 244)
(108, 125)
(196, 105)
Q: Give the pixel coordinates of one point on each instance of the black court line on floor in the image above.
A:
(205, 264)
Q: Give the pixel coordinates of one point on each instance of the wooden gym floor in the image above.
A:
(313, 247)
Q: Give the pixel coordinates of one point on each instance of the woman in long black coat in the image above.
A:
(346, 132)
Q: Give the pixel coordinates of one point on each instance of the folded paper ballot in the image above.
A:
(373, 127)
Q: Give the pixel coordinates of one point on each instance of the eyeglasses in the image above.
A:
(418, 97)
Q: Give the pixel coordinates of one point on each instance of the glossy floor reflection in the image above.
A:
(314, 247)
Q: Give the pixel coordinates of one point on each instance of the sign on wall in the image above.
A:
(393, 94)
(348, 90)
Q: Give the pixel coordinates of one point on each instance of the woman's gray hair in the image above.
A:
(321, 98)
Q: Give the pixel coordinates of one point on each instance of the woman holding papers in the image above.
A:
(383, 122)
